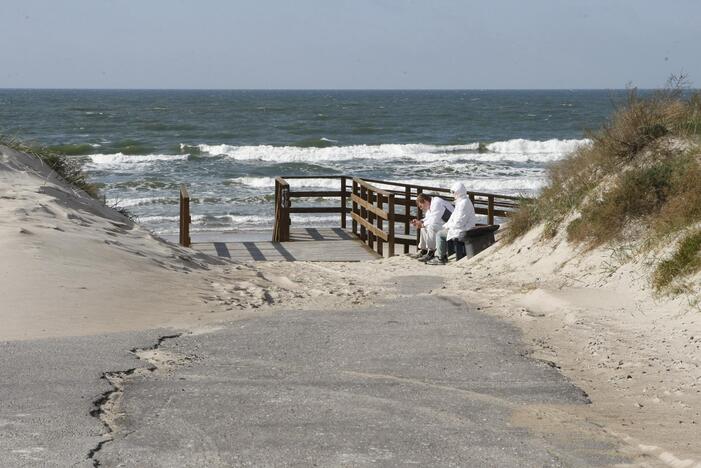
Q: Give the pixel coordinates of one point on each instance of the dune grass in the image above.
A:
(69, 169)
(640, 176)
(685, 260)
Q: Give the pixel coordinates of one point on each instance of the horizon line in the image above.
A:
(327, 89)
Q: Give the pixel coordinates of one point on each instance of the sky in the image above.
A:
(348, 44)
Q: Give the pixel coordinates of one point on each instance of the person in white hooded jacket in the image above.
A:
(436, 212)
(462, 219)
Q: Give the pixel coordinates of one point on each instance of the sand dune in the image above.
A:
(72, 266)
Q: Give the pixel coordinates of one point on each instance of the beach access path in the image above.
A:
(421, 379)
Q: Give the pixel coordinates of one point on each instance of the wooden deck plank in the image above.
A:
(307, 244)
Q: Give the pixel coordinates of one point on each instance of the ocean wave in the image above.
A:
(132, 202)
(129, 159)
(482, 184)
(269, 182)
(511, 150)
(74, 149)
(322, 142)
(236, 220)
(526, 147)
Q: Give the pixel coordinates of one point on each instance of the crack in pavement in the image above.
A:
(107, 404)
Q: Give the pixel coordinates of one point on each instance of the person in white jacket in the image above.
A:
(436, 212)
(462, 219)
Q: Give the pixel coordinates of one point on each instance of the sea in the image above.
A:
(227, 146)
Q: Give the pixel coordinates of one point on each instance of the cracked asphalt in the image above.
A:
(422, 380)
(47, 390)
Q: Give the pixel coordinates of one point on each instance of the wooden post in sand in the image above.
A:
(407, 213)
(185, 218)
(390, 222)
(343, 202)
(490, 209)
(354, 208)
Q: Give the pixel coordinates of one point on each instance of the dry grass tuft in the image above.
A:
(642, 170)
(69, 169)
(686, 260)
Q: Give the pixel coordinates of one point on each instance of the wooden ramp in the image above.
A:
(305, 244)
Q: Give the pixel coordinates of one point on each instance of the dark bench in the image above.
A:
(475, 240)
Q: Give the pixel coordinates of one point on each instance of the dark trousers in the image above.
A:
(449, 247)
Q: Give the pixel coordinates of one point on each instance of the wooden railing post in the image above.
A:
(419, 215)
(363, 212)
(370, 217)
(390, 223)
(343, 202)
(379, 223)
(407, 213)
(185, 218)
(276, 226)
(354, 223)
(281, 230)
(490, 209)
(285, 204)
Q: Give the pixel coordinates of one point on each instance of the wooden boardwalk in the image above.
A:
(305, 244)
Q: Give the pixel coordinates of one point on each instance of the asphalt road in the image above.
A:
(47, 390)
(423, 380)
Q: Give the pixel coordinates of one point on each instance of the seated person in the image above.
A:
(436, 212)
(462, 219)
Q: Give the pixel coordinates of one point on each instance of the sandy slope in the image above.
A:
(71, 266)
(638, 355)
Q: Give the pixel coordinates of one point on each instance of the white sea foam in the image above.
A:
(237, 220)
(132, 202)
(121, 159)
(266, 182)
(529, 147)
(511, 150)
(496, 184)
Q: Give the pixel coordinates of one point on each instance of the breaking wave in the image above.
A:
(511, 150)
(117, 160)
(495, 184)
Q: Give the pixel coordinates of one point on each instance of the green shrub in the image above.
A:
(685, 261)
(664, 197)
(648, 180)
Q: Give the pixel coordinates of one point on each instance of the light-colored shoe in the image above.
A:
(418, 254)
(436, 261)
(428, 256)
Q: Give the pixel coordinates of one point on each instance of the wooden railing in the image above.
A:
(283, 203)
(369, 214)
(375, 216)
(185, 218)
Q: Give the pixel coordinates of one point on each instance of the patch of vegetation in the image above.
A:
(69, 169)
(630, 171)
(639, 179)
(685, 261)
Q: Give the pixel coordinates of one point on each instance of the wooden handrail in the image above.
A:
(370, 207)
(369, 186)
(185, 218)
(425, 188)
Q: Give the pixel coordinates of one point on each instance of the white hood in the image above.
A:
(459, 190)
